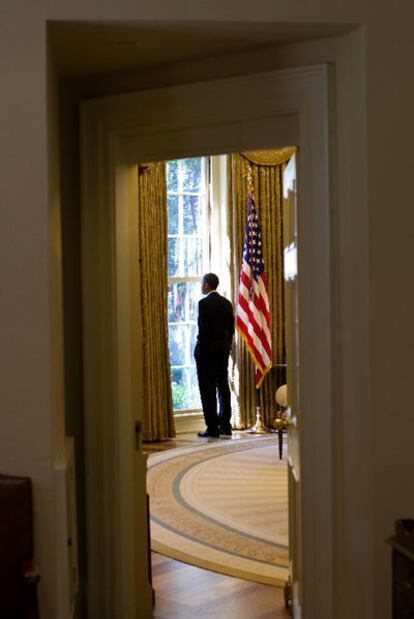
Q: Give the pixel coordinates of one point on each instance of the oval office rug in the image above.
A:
(222, 506)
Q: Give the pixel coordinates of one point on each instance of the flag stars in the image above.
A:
(253, 245)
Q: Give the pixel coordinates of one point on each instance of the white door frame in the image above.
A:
(263, 110)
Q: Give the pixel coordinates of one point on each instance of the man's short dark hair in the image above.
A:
(212, 280)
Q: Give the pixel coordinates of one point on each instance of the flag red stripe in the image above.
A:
(258, 331)
(259, 362)
(242, 327)
(257, 328)
(245, 279)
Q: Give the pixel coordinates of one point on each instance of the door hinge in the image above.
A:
(288, 595)
(138, 435)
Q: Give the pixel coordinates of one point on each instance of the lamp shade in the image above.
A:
(281, 396)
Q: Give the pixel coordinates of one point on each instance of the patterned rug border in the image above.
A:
(171, 454)
(187, 506)
(212, 452)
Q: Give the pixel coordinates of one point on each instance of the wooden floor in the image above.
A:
(186, 592)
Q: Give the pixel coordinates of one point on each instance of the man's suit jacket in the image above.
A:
(215, 326)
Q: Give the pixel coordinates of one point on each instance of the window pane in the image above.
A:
(193, 337)
(172, 205)
(173, 257)
(192, 174)
(184, 388)
(193, 263)
(192, 388)
(177, 302)
(179, 395)
(172, 175)
(179, 353)
(194, 295)
(192, 214)
(183, 298)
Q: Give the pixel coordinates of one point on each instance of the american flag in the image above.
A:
(253, 316)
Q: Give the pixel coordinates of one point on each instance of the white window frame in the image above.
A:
(176, 279)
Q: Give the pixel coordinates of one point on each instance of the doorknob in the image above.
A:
(282, 421)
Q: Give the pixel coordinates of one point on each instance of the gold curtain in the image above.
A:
(152, 232)
(267, 182)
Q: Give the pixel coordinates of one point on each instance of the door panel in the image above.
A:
(293, 369)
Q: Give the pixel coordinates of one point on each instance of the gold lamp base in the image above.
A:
(259, 427)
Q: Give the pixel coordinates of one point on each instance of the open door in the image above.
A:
(290, 235)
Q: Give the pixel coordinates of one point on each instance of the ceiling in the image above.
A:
(91, 48)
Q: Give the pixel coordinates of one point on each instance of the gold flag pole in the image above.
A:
(259, 427)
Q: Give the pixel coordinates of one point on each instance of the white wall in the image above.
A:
(376, 69)
(27, 410)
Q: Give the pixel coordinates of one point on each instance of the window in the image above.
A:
(188, 259)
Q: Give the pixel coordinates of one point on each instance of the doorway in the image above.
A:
(219, 521)
(288, 107)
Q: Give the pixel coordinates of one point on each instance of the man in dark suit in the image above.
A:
(212, 351)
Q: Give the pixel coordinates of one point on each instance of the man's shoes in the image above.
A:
(227, 431)
(209, 434)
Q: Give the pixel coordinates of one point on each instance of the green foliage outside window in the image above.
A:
(179, 396)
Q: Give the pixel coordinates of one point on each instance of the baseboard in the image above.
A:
(74, 614)
(66, 529)
(79, 605)
(193, 422)
(297, 610)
